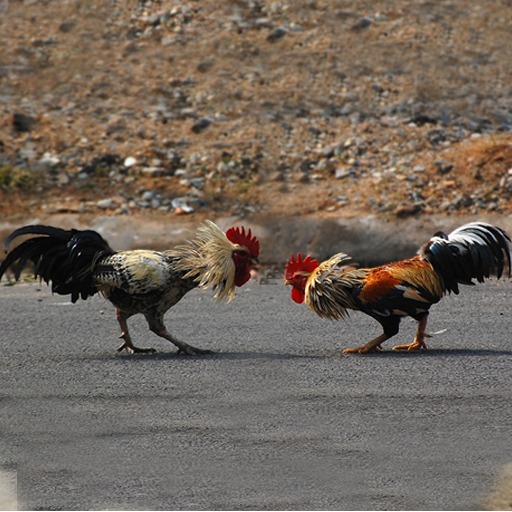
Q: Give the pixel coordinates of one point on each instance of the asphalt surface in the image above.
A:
(277, 419)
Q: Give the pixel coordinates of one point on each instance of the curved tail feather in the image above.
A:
(474, 251)
(64, 258)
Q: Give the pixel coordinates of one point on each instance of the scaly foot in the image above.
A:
(415, 345)
(362, 350)
(419, 339)
(371, 346)
(132, 349)
(193, 351)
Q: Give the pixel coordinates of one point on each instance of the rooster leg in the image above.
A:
(419, 340)
(390, 324)
(125, 335)
(183, 347)
(371, 346)
(157, 326)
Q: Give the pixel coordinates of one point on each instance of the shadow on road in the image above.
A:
(173, 356)
(277, 356)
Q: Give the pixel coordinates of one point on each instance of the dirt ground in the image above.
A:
(392, 108)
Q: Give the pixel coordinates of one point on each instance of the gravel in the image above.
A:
(404, 109)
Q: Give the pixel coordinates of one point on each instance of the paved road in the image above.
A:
(276, 420)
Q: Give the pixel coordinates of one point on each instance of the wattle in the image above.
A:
(242, 275)
(298, 295)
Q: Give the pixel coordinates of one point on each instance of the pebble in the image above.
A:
(106, 204)
(276, 34)
(22, 122)
(129, 161)
(341, 173)
(181, 205)
(49, 160)
(154, 171)
(149, 195)
(201, 124)
(362, 23)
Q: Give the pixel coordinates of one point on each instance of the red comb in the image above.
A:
(299, 264)
(240, 237)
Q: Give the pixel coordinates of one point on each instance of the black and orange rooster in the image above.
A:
(81, 264)
(404, 288)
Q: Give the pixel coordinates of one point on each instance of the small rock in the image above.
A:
(436, 137)
(67, 25)
(129, 161)
(302, 177)
(149, 195)
(106, 204)
(222, 167)
(407, 210)
(197, 182)
(390, 121)
(341, 173)
(276, 176)
(154, 171)
(205, 66)
(443, 167)
(62, 178)
(22, 123)
(362, 23)
(421, 119)
(181, 206)
(326, 152)
(276, 34)
(201, 124)
(27, 153)
(49, 160)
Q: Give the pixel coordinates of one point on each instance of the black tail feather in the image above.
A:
(64, 258)
(474, 251)
(36, 229)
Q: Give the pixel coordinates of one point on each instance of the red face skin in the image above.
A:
(298, 282)
(297, 271)
(243, 264)
(244, 257)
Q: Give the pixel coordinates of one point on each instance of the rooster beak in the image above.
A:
(287, 282)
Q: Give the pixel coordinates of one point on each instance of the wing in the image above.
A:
(406, 288)
(135, 272)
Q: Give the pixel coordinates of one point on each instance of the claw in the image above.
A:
(419, 340)
(415, 345)
(193, 351)
(131, 349)
(372, 346)
(362, 350)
